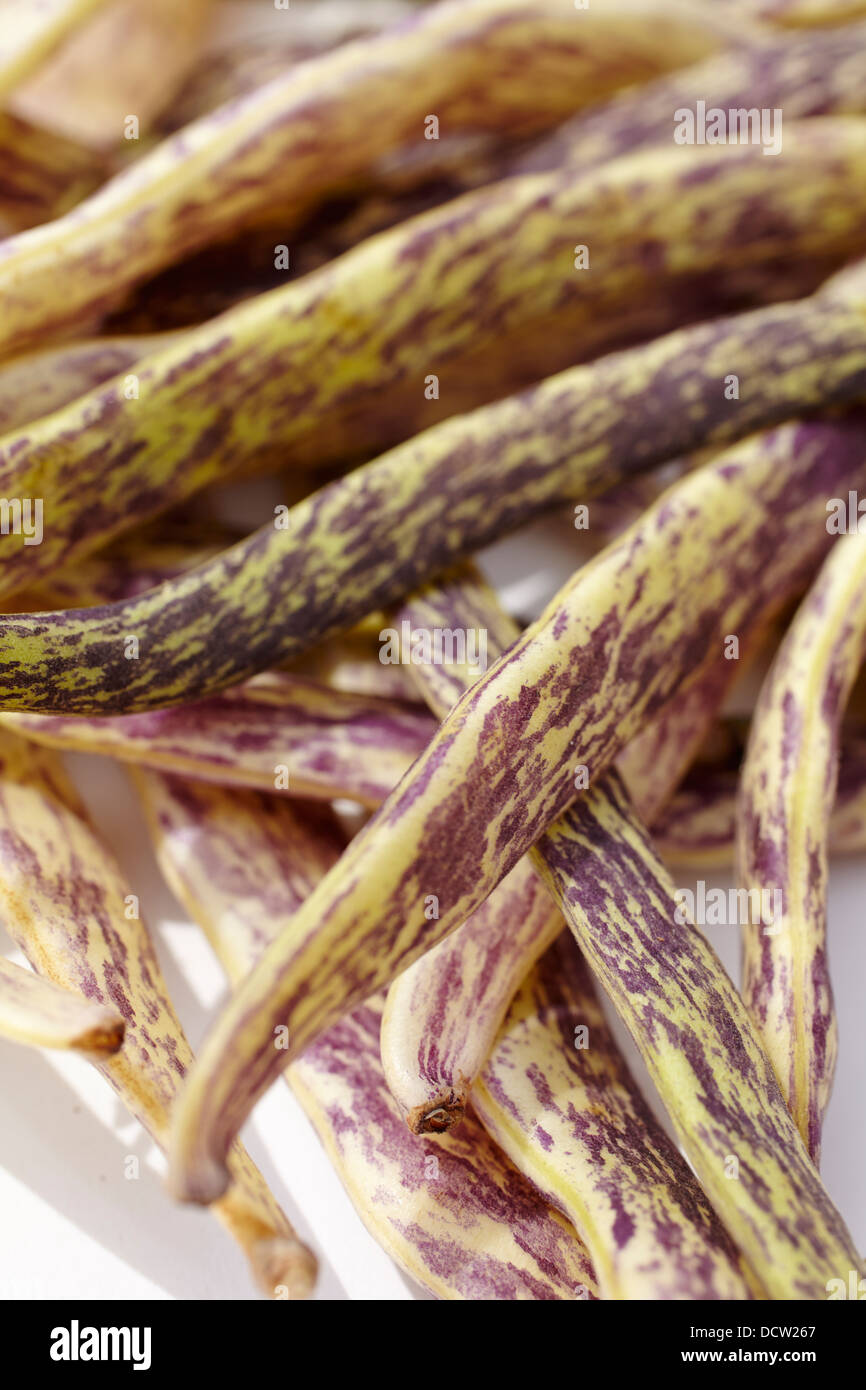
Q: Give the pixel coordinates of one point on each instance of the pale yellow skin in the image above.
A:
(795, 14)
(467, 1019)
(442, 1014)
(690, 559)
(677, 1000)
(220, 174)
(43, 175)
(288, 734)
(40, 382)
(511, 245)
(498, 944)
(37, 1012)
(350, 662)
(30, 32)
(622, 1168)
(129, 59)
(241, 864)
(250, 44)
(786, 801)
(426, 1026)
(65, 903)
(708, 840)
(376, 1181)
(655, 762)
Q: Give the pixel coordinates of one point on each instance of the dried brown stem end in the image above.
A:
(439, 1115)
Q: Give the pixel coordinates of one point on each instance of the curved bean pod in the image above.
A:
(37, 1012)
(368, 539)
(421, 1052)
(290, 735)
(248, 47)
(453, 1212)
(443, 1013)
(43, 174)
(241, 863)
(248, 388)
(458, 1218)
(818, 74)
(139, 561)
(799, 14)
(608, 653)
(698, 1042)
(811, 74)
(787, 792)
(698, 826)
(655, 762)
(571, 1117)
(66, 906)
(39, 383)
(298, 137)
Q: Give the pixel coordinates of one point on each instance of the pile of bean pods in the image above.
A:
(436, 271)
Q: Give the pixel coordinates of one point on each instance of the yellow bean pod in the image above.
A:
(442, 1014)
(299, 137)
(369, 538)
(30, 32)
(300, 372)
(786, 801)
(37, 1012)
(38, 383)
(799, 14)
(281, 733)
(612, 648)
(698, 826)
(557, 1096)
(43, 174)
(68, 909)
(453, 1212)
(698, 1043)
(455, 1215)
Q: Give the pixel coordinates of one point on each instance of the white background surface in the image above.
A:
(71, 1224)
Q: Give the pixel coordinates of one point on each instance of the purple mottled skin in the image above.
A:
(67, 907)
(699, 822)
(368, 539)
(443, 1014)
(786, 798)
(242, 863)
(820, 74)
(807, 75)
(500, 769)
(247, 389)
(482, 66)
(79, 906)
(671, 991)
(473, 1179)
(332, 743)
(41, 172)
(683, 1248)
